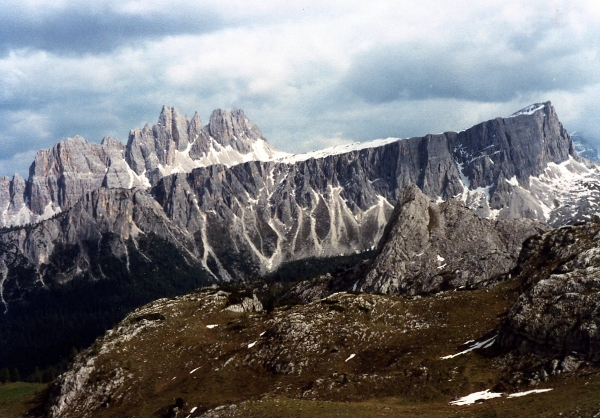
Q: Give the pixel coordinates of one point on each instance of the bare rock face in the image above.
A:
(428, 247)
(116, 215)
(310, 290)
(118, 174)
(338, 201)
(557, 313)
(247, 305)
(178, 144)
(60, 176)
(13, 202)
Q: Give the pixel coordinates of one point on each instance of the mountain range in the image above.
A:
(99, 229)
(248, 218)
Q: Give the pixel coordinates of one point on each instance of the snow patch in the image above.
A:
(261, 150)
(466, 183)
(350, 358)
(49, 212)
(529, 392)
(141, 178)
(483, 344)
(513, 181)
(477, 396)
(563, 184)
(337, 150)
(529, 110)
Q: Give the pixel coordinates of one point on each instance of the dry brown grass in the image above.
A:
(396, 371)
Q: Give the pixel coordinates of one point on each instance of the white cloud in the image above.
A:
(17, 163)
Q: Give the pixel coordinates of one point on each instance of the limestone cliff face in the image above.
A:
(111, 217)
(246, 219)
(338, 201)
(13, 201)
(61, 175)
(428, 247)
(504, 159)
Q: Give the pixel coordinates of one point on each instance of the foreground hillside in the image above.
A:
(347, 347)
(347, 354)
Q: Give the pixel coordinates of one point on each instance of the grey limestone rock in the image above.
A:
(178, 144)
(116, 215)
(247, 305)
(557, 312)
(61, 175)
(428, 247)
(13, 202)
(310, 290)
(338, 203)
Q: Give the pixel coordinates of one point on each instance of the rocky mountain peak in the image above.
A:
(112, 143)
(195, 122)
(72, 154)
(177, 144)
(61, 174)
(428, 247)
(233, 128)
(531, 109)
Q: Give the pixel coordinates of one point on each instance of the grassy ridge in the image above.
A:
(399, 372)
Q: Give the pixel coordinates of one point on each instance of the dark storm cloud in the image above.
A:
(468, 72)
(81, 31)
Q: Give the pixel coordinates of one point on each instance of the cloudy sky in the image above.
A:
(310, 73)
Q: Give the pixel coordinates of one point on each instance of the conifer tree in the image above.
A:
(4, 375)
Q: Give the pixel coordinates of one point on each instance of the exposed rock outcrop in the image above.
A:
(13, 201)
(60, 175)
(557, 313)
(428, 247)
(177, 144)
(247, 305)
